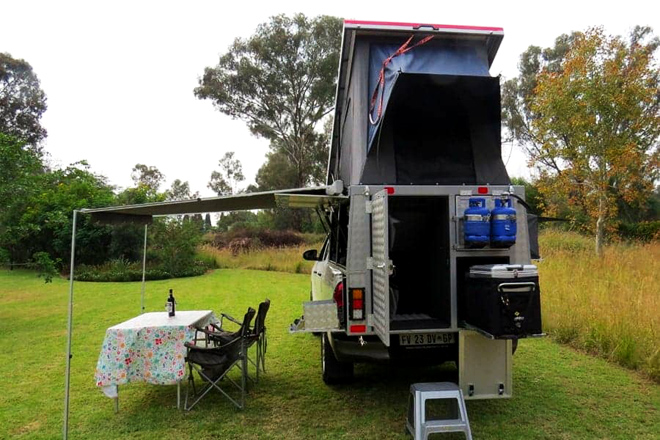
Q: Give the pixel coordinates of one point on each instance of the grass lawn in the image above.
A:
(558, 392)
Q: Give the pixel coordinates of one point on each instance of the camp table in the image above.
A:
(148, 348)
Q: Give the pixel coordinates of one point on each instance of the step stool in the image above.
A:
(417, 424)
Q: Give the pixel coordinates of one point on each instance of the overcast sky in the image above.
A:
(119, 75)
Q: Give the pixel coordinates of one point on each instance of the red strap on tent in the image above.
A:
(381, 76)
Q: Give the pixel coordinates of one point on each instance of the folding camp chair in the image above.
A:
(213, 364)
(258, 336)
(216, 335)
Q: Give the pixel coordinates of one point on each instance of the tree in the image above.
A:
(22, 102)
(532, 195)
(20, 170)
(225, 182)
(281, 82)
(148, 177)
(592, 122)
(180, 191)
(41, 221)
(173, 245)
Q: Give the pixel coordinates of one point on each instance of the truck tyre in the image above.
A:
(334, 372)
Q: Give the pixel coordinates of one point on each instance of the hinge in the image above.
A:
(368, 206)
(370, 263)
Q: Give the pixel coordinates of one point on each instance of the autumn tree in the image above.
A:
(225, 182)
(22, 102)
(281, 82)
(590, 120)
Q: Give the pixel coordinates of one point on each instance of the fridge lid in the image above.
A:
(506, 271)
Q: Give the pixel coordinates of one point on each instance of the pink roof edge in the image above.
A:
(435, 26)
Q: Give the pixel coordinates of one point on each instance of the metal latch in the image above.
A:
(371, 265)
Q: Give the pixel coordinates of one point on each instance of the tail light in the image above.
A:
(338, 295)
(338, 298)
(356, 304)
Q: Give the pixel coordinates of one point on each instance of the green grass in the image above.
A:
(558, 393)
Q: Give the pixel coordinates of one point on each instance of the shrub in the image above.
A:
(118, 272)
(642, 231)
(250, 238)
(45, 266)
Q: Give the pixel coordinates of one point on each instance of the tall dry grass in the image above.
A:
(285, 259)
(608, 305)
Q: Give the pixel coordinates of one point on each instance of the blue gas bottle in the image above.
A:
(503, 224)
(476, 230)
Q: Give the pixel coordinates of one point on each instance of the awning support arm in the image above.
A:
(144, 268)
(65, 432)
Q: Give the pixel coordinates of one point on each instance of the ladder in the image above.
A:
(419, 427)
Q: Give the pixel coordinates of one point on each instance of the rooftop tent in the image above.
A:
(435, 110)
(430, 57)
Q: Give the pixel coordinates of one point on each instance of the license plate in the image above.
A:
(427, 339)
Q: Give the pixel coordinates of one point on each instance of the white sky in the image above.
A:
(119, 75)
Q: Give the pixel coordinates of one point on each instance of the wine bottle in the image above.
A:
(171, 305)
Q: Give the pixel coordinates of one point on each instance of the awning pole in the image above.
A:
(69, 329)
(144, 267)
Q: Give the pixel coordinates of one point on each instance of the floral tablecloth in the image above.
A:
(148, 348)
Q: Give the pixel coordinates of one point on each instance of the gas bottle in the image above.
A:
(477, 223)
(503, 224)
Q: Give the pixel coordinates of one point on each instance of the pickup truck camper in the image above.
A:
(429, 246)
(427, 257)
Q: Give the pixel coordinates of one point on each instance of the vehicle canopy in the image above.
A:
(416, 105)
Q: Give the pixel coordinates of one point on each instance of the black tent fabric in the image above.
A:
(533, 234)
(466, 58)
(439, 129)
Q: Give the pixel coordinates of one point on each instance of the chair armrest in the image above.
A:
(215, 326)
(231, 318)
(211, 334)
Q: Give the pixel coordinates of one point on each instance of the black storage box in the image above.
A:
(504, 300)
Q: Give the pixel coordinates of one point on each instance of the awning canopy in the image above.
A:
(143, 213)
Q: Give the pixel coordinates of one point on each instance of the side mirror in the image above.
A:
(310, 255)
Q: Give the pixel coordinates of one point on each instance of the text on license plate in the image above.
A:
(427, 339)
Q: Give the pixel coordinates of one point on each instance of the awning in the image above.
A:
(143, 213)
(308, 201)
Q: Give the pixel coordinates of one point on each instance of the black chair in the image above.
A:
(216, 335)
(258, 336)
(214, 363)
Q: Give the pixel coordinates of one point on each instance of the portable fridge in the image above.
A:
(503, 300)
